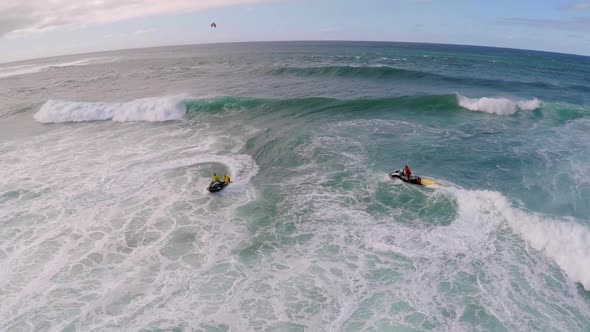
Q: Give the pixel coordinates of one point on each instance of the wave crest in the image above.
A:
(566, 242)
(157, 109)
(501, 106)
(31, 69)
(354, 71)
(146, 109)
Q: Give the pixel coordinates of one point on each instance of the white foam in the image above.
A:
(115, 196)
(566, 242)
(146, 109)
(241, 168)
(480, 214)
(33, 68)
(501, 106)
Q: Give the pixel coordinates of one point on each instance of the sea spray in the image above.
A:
(500, 105)
(146, 109)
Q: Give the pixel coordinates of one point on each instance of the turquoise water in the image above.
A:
(105, 223)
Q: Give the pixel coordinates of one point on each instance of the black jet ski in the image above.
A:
(412, 179)
(216, 186)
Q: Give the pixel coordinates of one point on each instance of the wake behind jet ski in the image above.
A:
(406, 176)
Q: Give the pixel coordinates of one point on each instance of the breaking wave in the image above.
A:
(501, 106)
(146, 109)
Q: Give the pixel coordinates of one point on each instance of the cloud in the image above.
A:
(579, 6)
(18, 17)
(576, 24)
(329, 29)
(143, 31)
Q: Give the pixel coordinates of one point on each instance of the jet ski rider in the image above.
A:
(407, 172)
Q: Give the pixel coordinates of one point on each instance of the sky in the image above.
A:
(41, 28)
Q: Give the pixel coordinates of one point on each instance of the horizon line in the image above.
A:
(290, 41)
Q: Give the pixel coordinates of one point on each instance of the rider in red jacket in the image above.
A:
(407, 171)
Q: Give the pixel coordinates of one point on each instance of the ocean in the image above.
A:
(105, 223)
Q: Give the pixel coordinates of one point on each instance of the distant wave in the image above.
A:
(13, 67)
(387, 72)
(147, 109)
(157, 109)
(501, 106)
(10, 111)
(33, 68)
(357, 71)
(308, 104)
(494, 105)
(168, 108)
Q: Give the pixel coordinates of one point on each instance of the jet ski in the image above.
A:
(216, 186)
(412, 179)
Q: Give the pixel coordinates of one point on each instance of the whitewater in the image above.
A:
(106, 225)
